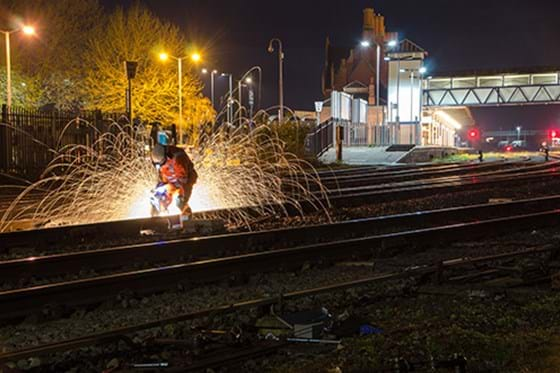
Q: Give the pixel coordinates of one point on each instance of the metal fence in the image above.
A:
(320, 140)
(355, 134)
(29, 139)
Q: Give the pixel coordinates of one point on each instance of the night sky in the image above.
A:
(459, 35)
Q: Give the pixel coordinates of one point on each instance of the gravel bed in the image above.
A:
(427, 203)
(320, 217)
(86, 273)
(439, 201)
(127, 310)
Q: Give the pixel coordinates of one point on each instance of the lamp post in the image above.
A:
(212, 74)
(230, 97)
(130, 68)
(27, 30)
(249, 84)
(367, 44)
(280, 75)
(245, 76)
(195, 57)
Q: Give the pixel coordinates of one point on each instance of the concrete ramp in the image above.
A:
(364, 155)
(383, 155)
(426, 154)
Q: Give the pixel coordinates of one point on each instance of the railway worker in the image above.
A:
(176, 170)
(546, 151)
(480, 156)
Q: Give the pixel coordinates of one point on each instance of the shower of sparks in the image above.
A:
(112, 179)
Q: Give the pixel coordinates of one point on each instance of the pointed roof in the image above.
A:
(355, 84)
(408, 46)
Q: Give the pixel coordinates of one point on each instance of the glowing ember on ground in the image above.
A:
(113, 179)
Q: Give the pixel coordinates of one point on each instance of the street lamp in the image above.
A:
(27, 30)
(249, 85)
(518, 129)
(230, 98)
(214, 72)
(280, 75)
(367, 44)
(195, 57)
(243, 79)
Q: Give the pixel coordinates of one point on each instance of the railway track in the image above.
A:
(232, 244)
(49, 237)
(361, 195)
(361, 238)
(20, 302)
(376, 178)
(478, 172)
(438, 271)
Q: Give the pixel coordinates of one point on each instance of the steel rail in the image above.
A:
(528, 170)
(231, 244)
(358, 198)
(421, 171)
(400, 168)
(16, 303)
(485, 169)
(47, 237)
(116, 334)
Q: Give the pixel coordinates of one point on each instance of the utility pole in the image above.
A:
(180, 93)
(398, 99)
(212, 88)
(195, 57)
(280, 76)
(229, 113)
(8, 70)
(130, 67)
(230, 99)
(27, 30)
(251, 98)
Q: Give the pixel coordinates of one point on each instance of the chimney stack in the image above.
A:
(369, 22)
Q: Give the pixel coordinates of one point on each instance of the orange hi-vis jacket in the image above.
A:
(178, 169)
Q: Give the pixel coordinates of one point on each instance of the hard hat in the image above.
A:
(163, 138)
(158, 154)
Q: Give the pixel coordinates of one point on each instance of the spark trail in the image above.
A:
(112, 178)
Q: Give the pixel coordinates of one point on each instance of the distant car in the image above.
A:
(519, 144)
(502, 145)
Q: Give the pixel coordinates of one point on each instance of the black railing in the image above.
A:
(29, 139)
(320, 140)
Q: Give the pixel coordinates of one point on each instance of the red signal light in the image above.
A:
(509, 148)
(474, 134)
(553, 134)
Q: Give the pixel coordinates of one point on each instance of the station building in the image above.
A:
(375, 91)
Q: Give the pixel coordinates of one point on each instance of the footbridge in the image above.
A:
(493, 88)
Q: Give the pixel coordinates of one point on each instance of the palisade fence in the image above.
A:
(29, 139)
